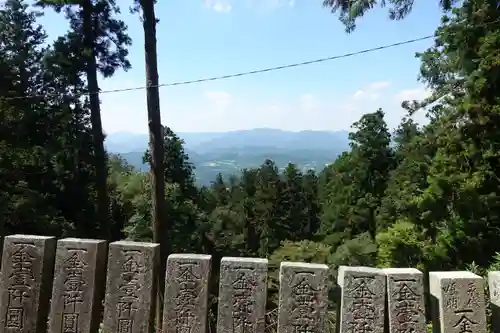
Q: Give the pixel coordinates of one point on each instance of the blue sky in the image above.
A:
(205, 38)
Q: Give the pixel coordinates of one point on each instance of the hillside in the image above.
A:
(230, 152)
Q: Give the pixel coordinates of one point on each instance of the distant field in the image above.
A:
(230, 152)
(210, 164)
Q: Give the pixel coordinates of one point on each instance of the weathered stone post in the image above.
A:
(494, 287)
(26, 283)
(303, 298)
(363, 299)
(186, 293)
(130, 287)
(459, 301)
(1, 247)
(79, 279)
(242, 295)
(405, 300)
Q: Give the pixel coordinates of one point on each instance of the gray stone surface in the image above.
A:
(242, 295)
(405, 300)
(130, 287)
(186, 293)
(494, 288)
(79, 279)
(26, 283)
(1, 250)
(303, 298)
(362, 306)
(460, 302)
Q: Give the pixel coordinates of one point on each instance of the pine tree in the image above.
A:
(45, 164)
(358, 181)
(461, 203)
(102, 42)
(351, 10)
(293, 205)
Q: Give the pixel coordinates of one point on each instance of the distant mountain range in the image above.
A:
(229, 152)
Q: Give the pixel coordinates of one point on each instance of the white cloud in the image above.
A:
(379, 85)
(411, 94)
(309, 102)
(219, 98)
(358, 94)
(224, 107)
(221, 6)
(274, 3)
(366, 95)
(226, 6)
(371, 91)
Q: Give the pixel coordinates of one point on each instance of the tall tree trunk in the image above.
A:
(95, 115)
(156, 144)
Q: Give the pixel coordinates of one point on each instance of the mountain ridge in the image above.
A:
(128, 141)
(230, 152)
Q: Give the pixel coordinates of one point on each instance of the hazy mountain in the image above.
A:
(229, 152)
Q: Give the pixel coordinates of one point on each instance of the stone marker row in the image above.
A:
(71, 276)
(458, 301)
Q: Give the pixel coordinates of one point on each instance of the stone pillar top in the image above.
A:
(29, 237)
(82, 240)
(189, 256)
(243, 260)
(401, 271)
(134, 244)
(454, 275)
(355, 269)
(297, 264)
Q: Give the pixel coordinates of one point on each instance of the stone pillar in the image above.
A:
(186, 293)
(79, 279)
(242, 295)
(460, 302)
(1, 249)
(362, 307)
(494, 287)
(303, 298)
(26, 283)
(130, 287)
(405, 300)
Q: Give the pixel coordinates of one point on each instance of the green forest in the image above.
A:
(422, 196)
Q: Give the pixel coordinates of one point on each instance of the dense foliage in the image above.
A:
(423, 196)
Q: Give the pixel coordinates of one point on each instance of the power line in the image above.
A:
(229, 76)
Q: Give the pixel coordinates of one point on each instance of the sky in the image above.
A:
(207, 38)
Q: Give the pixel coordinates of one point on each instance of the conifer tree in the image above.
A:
(102, 42)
